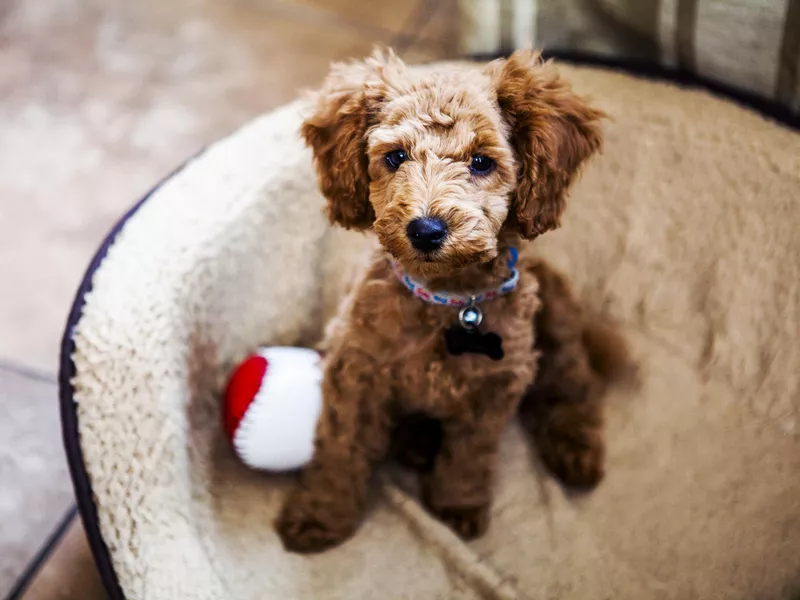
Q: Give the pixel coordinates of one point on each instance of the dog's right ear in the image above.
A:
(336, 132)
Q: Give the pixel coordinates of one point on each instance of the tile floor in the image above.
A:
(98, 100)
(35, 491)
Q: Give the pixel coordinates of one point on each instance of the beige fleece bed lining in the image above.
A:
(682, 235)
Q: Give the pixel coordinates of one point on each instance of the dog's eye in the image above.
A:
(481, 165)
(395, 158)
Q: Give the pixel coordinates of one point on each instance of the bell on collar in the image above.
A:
(470, 316)
(465, 338)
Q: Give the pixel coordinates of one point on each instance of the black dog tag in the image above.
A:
(461, 341)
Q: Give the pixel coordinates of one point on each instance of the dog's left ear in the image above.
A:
(553, 131)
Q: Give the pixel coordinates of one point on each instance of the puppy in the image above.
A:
(451, 167)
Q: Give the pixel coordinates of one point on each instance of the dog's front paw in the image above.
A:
(576, 458)
(468, 522)
(308, 530)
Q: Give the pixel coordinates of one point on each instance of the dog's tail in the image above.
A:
(606, 350)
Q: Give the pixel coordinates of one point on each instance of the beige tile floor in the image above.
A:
(69, 573)
(35, 490)
(98, 100)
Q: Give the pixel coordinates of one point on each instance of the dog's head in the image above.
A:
(440, 163)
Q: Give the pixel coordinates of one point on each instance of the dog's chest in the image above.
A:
(427, 377)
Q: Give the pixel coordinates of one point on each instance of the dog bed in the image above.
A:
(684, 232)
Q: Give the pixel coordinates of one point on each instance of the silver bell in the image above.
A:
(470, 317)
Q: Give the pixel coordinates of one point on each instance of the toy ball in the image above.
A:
(271, 406)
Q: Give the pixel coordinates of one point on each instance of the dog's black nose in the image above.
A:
(427, 234)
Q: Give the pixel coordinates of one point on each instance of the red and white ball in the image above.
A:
(271, 406)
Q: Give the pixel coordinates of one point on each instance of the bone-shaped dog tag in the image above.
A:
(471, 341)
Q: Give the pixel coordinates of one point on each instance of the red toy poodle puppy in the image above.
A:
(452, 168)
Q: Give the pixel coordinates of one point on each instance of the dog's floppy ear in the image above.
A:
(553, 131)
(336, 132)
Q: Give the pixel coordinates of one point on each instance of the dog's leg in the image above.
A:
(416, 442)
(563, 410)
(353, 432)
(459, 490)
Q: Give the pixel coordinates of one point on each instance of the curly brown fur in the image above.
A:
(562, 410)
(564, 387)
(385, 354)
(416, 442)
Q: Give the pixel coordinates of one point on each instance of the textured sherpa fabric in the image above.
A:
(685, 232)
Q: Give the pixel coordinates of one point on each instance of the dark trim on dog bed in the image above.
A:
(69, 417)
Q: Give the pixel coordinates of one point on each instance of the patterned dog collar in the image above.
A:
(460, 300)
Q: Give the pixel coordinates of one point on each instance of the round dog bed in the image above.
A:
(685, 232)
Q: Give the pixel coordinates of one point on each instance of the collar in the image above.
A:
(459, 300)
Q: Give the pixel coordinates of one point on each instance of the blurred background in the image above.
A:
(99, 99)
